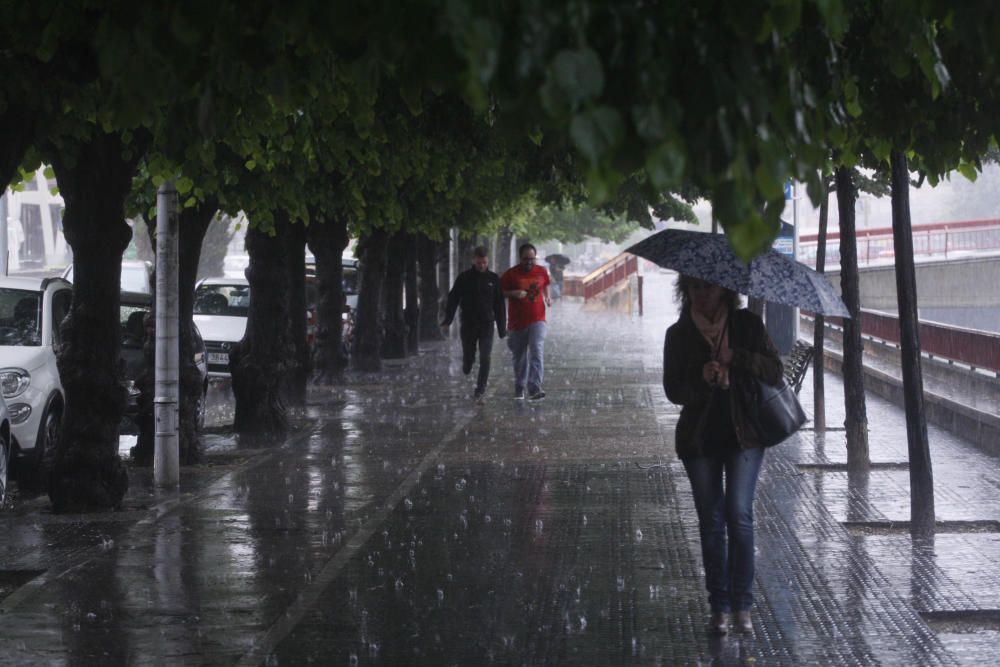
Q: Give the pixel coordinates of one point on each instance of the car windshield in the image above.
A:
(132, 319)
(20, 317)
(229, 300)
(136, 279)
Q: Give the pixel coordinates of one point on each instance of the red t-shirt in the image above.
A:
(523, 312)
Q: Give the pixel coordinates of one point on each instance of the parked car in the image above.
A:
(221, 307)
(137, 276)
(134, 310)
(5, 449)
(30, 312)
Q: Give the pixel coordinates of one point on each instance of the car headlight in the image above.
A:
(13, 381)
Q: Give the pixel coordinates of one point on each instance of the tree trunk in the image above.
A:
(19, 124)
(327, 241)
(921, 475)
(444, 273)
(856, 420)
(819, 374)
(430, 323)
(212, 259)
(465, 248)
(194, 223)
(94, 179)
(412, 312)
(394, 343)
(504, 238)
(293, 235)
(366, 355)
(259, 362)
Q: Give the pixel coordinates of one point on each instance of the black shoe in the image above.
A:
(537, 396)
(478, 397)
(519, 394)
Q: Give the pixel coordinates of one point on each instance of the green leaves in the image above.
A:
(597, 132)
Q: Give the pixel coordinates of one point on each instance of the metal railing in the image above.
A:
(937, 239)
(611, 273)
(978, 349)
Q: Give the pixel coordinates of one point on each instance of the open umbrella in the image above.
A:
(557, 258)
(771, 275)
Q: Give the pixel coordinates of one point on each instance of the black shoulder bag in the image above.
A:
(772, 411)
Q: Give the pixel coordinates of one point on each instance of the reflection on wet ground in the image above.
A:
(402, 524)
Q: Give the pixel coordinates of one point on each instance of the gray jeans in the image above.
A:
(528, 348)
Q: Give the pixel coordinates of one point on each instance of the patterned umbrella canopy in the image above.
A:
(771, 276)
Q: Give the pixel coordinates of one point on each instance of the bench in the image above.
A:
(797, 363)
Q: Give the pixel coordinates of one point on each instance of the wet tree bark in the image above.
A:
(504, 237)
(921, 474)
(429, 291)
(411, 314)
(211, 260)
(327, 241)
(441, 248)
(94, 178)
(465, 248)
(19, 125)
(194, 223)
(819, 374)
(856, 420)
(366, 356)
(259, 362)
(293, 236)
(395, 342)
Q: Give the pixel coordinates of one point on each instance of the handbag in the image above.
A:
(772, 411)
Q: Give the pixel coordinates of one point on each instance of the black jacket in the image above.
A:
(685, 351)
(481, 299)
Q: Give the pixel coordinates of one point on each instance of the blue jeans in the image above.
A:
(723, 488)
(528, 348)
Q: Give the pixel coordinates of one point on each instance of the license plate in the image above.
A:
(218, 358)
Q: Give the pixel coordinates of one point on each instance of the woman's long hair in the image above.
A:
(681, 295)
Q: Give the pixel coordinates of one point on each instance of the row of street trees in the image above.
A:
(392, 123)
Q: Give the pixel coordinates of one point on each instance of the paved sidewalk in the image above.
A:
(402, 524)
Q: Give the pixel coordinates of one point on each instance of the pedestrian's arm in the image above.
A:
(454, 296)
(500, 312)
(682, 375)
(545, 295)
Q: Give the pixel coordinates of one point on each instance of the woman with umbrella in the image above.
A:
(707, 354)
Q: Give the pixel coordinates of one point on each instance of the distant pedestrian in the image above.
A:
(707, 353)
(477, 291)
(526, 287)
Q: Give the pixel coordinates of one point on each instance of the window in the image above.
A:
(32, 250)
(61, 301)
(20, 317)
(229, 300)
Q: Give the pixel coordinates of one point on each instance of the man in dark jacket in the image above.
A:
(477, 291)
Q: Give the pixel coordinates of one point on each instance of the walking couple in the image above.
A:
(480, 293)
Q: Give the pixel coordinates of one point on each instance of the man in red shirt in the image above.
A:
(526, 287)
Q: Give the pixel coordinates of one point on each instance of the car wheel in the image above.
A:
(45, 446)
(4, 466)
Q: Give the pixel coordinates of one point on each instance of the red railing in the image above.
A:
(979, 349)
(611, 273)
(939, 238)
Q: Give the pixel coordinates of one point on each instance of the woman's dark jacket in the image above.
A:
(685, 352)
(481, 299)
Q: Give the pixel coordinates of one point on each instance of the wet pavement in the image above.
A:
(403, 524)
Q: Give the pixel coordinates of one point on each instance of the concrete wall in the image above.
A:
(957, 283)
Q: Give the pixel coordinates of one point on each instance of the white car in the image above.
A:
(137, 276)
(221, 307)
(30, 312)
